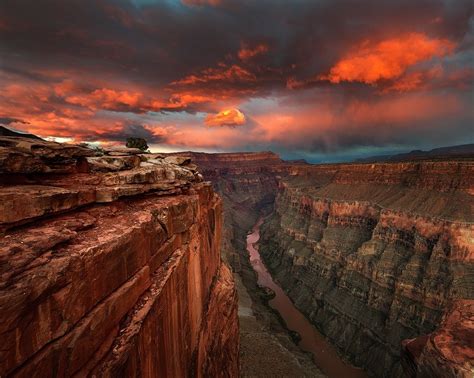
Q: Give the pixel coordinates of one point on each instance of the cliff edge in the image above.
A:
(110, 265)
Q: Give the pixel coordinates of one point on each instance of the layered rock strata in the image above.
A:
(110, 266)
(379, 258)
(446, 352)
(247, 183)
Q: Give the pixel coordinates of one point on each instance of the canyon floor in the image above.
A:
(266, 348)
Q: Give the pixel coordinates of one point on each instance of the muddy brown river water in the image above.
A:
(325, 355)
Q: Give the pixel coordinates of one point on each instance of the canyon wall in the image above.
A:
(377, 254)
(247, 184)
(110, 266)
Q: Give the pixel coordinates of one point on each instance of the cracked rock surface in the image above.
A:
(110, 264)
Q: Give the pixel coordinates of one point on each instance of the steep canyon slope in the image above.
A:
(110, 266)
(378, 256)
(247, 184)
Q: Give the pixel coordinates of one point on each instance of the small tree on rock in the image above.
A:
(139, 143)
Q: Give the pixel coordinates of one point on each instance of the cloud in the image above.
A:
(120, 134)
(102, 66)
(386, 60)
(201, 2)
(106, 98)
(415, 80)
(228, 117)
(10, 120)
(223, 73)
(131, 101)
(246, 52)
(334, 123)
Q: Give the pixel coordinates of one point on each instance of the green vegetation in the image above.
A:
(139, 143)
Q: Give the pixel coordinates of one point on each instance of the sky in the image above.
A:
(323, 80)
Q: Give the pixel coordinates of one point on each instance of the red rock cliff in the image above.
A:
(378, 253)
(110, 266)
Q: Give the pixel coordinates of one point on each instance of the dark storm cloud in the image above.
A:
(65, 62)
(9, 120)
(165, 41)
(126, 131)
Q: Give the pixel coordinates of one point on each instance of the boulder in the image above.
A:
(178, 160)
(121, 151)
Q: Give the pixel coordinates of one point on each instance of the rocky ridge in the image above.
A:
(110, 265)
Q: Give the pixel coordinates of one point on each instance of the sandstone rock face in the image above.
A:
(448, 351)
(25, 155)
(113, 273)
(378, 256)
(372, 264)
(247, 184)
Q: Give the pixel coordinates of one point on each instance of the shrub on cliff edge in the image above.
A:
(139, 143)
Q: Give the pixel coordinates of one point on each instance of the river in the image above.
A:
(325, 355)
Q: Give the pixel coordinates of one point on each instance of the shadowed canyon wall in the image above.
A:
(376, 259)
(378, 256)
(247, 184)
(110, 266)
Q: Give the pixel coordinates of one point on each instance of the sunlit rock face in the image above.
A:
(378, 256)
(447, 351)
(110, 266)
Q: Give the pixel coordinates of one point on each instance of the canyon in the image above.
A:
(379, 257)
(116, 262)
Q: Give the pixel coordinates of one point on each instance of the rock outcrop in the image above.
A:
(448, 351)
(110, 266)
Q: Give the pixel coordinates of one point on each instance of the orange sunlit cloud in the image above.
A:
(233, 73)
(300, 126)
(137, 101)
(246, 53)
(386, 60)
(326, 117)
(106, 98)
(265, 78)
(415, 80)
(228, 117)
(328, 126)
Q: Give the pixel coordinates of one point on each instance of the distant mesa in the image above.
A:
(296, 161)
(4, 131)
(463, 152)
